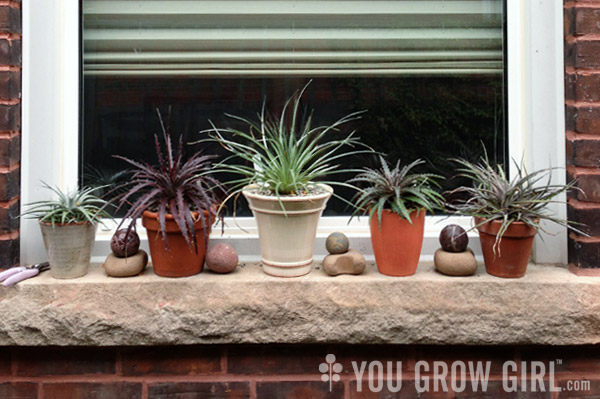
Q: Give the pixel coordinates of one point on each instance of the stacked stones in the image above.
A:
(126, 259)
(341, 259)
(455, 258)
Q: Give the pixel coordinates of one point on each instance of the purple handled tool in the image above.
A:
(15, 274)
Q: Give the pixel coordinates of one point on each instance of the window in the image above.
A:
(50, 92)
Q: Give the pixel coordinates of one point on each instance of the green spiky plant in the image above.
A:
(396, 189)
(75, 206)
(523, 198)
(286, 155)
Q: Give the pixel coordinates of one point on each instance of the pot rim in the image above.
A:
(154, 215)
(515, 228)
(313, 197)
(66, 224)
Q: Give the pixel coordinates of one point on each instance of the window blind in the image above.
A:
(301, 37)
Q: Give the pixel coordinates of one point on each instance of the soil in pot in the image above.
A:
(181, 260)
(397, 243)
(511, 256)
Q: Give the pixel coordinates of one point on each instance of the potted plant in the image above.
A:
(177, 201)
(284, 164)
(507, 213)
(396, 201)
(68, 225)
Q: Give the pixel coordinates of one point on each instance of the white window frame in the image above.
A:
(50, 125)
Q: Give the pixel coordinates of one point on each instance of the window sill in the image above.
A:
(548, 306)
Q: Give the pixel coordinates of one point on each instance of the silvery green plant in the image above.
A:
(285, 155)
(75, 206)
(494, 196)
(397, 189)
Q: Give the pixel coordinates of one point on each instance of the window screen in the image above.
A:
(429, 73)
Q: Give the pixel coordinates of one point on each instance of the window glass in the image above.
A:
(429, 73)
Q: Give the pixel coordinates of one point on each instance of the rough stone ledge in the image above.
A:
(548, 306)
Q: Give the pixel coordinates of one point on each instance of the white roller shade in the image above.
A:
(305, 38)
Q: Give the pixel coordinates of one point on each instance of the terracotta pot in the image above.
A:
(69, 248)
(287, 239)
(397, 243)
(181, 260)
(512, 255)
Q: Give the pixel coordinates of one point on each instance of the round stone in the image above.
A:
(337, 243)
(222, 258)
(455, 263)
(453, 238)
(123, 244)
(132, 265)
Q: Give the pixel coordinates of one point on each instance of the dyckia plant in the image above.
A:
(521, 199)
(396, 189)
(284, 156)
(76, 206)
(182, 188)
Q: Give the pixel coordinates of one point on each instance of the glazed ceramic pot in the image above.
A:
(180, 260)
(287, 234)
(69, 248)
(510, 258)
(397, 243)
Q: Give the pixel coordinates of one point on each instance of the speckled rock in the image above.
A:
(126, 267)
(222, 258)
(337, 243)
(123, 244)
(351, 262)
(453, 238)
(455, 263)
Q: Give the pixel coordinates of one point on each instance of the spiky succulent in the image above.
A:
(396, 189)
(175, 186)
(69, 207)
(521, 199)
(287, 155)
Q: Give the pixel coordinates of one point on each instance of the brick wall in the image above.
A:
(276, 372)
(582, 92)
(10, 130)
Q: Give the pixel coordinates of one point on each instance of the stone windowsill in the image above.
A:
(548, 306)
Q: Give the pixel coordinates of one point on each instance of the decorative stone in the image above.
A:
(122, 248)
(337, 243)
(351, 262)
(453, 238)
(455, 263)
(132, 265)
(222, 258)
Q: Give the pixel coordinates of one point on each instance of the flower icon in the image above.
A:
(330, 370)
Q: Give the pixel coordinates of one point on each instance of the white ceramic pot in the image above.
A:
(287, 239)
(69, 248)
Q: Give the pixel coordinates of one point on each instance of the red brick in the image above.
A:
(587, 214)
(9, 220)
(585, 87)
(497, 355)
(64, 361)
(587, 54)
(566, 358)
(10, 185)
(171, 360)
(5, 360)
(10, 150)
(10, 85)
(83, 390)
(200, 390)
(407, 391)
(10, 117)
(347, 354)
(586, 20)
(586, 119)
(18, 390)
(9, 253)
(10, 20)
(584, 254)
(10, 52)
(299, 390)
(275, 359)
(592, 393)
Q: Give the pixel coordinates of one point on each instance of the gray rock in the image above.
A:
(126, 267)
(337, 243)
(455, 263)
(351, 262)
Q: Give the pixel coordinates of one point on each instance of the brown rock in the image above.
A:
(455, 263)
(351, 262)
(222, 258)
(126, 267)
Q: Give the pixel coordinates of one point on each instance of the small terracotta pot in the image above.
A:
(181, 260)
(397, 243)
(512, 254)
